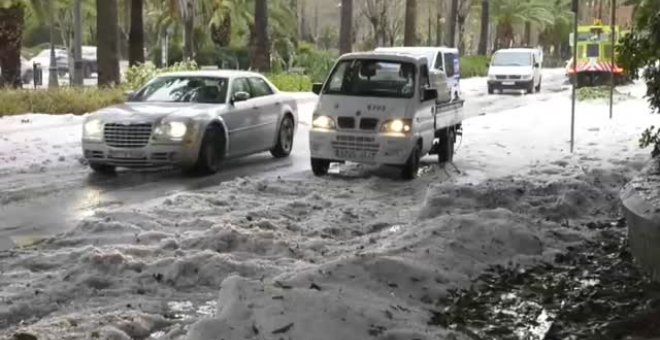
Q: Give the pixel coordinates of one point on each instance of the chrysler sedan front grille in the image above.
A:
(127, 136)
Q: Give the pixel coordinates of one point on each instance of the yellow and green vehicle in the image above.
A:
(594, 55)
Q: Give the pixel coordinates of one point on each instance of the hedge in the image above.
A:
(474, 66)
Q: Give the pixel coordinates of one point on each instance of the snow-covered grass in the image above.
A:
(343, 257)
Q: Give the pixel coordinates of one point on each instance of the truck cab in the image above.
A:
(444, 65)
(380, 108)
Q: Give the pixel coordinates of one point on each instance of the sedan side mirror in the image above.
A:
(317, 87)
(240, 96)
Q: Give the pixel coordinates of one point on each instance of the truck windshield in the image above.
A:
(372, 78)
(184, 90)
(512, 59)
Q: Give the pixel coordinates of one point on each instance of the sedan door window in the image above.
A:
(260, 88)
(240, 85)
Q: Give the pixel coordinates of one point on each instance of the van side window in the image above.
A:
(449, 64)
(439, 62)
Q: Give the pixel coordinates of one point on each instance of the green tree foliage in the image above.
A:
(639, 51)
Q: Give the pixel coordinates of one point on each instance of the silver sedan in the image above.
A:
(193, 120)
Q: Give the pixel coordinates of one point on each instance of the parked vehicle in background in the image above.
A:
(90, 66)
(515, 69)
(61, 60)
(193, 120)
(445, 60)
(381, 108)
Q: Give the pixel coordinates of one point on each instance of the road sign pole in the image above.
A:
(614, 37)
(576, 11)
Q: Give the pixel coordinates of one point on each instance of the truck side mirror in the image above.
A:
(317, 87)
(430, 94)
(537, 65)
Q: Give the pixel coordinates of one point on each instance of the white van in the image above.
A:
(441, 59)
(515, 69)
(380, 108)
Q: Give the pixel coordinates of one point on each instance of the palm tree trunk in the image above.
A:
(107, 36)
(188, 30)
(261, 52)
(485, 24)
(528, 33)
(453, 18)
(410, 31)
(346, 27)
(52, 68)
(136, 34)
(11, 34)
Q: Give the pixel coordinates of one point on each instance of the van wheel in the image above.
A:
(211, 151)
(411, 168)
(320, 167)
(530, 87)
(538, 88)
(446, 147)
(491, 90)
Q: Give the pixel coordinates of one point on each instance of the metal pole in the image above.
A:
(77, 45)
(52, 68)
(575, 75)
(614, 38)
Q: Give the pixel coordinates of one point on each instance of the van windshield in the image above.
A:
(372, 78)
(512, 59)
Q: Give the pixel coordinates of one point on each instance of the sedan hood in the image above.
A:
(154, 112)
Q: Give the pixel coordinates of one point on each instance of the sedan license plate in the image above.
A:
(509, 83)
(126, 154)
(362, 155)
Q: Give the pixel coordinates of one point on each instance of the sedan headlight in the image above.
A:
(93, 129)
(171, 130)
(324, 122)
(397, 126)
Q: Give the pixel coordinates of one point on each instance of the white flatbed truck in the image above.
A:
(380, 108)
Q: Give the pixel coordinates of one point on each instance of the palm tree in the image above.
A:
(485, 24)
(508, 13)
(136, 34)
(107, 37)
(346, 27)
(261, 52)
(410, 31)
(11, 34)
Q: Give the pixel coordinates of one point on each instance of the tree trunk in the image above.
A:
(261, 50)
(136, 34)
(346, 28)
(460, 23)
(528, 33)
(11, 34)
(485, 24)
(107, 30)
(453, 17)
(410, 31)
(188, 31)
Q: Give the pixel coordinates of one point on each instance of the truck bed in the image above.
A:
(449, 114)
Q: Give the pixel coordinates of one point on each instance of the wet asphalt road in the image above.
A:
(48, 203)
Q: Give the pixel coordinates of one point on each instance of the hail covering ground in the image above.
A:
(355, 255)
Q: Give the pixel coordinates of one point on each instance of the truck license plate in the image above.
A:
(127, 154)
(364, 155)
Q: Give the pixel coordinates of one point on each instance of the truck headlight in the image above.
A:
(171, 130)
(324, 122)
(93, 129)
(397, 126)
(527, 76)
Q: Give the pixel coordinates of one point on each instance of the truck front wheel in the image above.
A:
(411, 168)
(320, 167)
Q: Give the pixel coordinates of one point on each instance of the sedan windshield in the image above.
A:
(512, 59)
(373, 78)
(184, 90)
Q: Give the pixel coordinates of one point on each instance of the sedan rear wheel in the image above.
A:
(284, 139)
